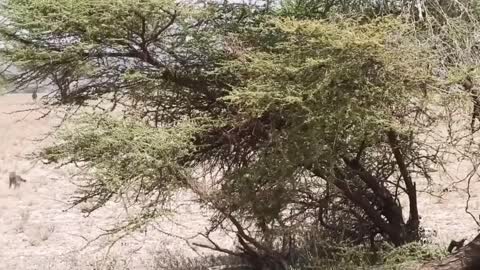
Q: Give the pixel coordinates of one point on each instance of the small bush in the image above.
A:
(172, 261)
(413, 252)
(388, 257)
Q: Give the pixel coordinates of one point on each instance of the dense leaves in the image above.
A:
(298, 124)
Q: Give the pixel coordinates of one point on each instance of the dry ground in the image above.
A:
(35, 232)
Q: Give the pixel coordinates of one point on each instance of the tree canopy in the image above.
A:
(300, 123)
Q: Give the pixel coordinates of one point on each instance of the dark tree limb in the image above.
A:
(413, 220)
(393, 231)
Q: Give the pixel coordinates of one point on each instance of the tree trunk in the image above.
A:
(467, 258)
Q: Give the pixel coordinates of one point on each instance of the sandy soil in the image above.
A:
(36, 232)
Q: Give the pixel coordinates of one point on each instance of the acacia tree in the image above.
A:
(300, 125)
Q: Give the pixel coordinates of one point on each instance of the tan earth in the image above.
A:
(36, 232)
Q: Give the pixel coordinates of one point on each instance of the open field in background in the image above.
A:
(35, 232)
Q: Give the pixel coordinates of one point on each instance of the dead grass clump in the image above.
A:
(109, 263)
(172, 261)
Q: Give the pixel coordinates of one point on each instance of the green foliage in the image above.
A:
(299, 94)
(330, 92)
(3, 86)
(413, 252)
(105, 21)
(127, 158)
(409, 256)
(314, 94)
(321, 9)
(300, 123)
(305, 9)
(334, 75)
(64, 42)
